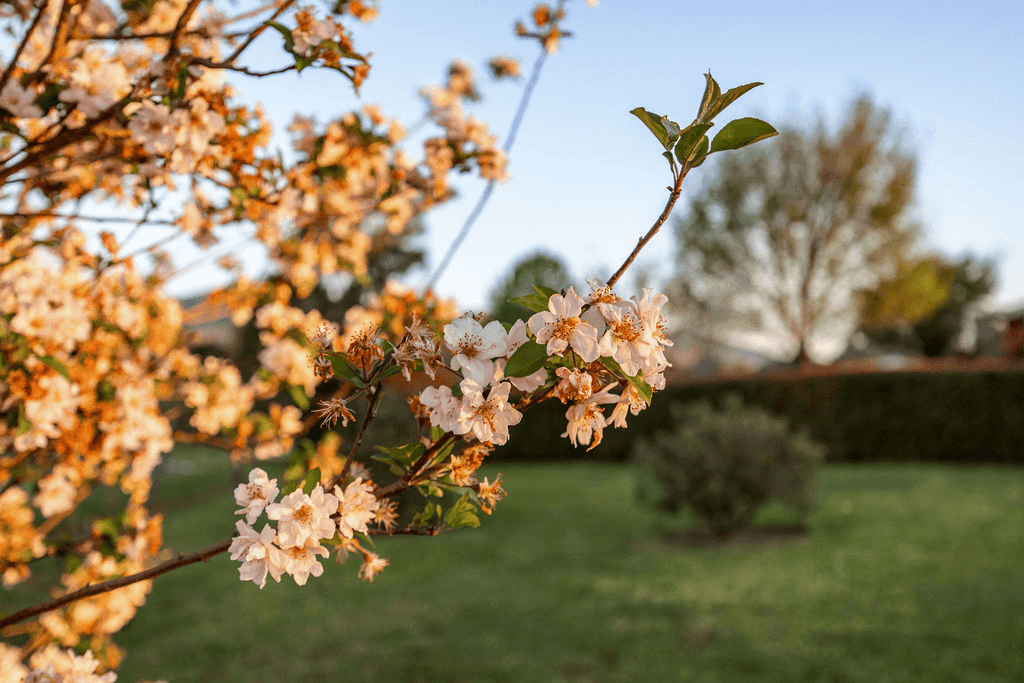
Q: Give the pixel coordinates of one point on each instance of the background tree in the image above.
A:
(539, 268)
(780, 237)
(926, 305)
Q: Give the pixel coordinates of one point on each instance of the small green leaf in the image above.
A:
(636, 380)
(654, 123)
(528, 359)
(280, 28)
(740, 133)
(711, 93)
(462, 514)
(55, 364)
(701, 153)
(546, 291)
(535, 302)
(642, 387)
(401, 455)
(310, 481)
(346, 371)
(299, 396)
(690, 139)
(729, 97)
(424, 516)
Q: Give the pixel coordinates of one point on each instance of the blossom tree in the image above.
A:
(118, 114)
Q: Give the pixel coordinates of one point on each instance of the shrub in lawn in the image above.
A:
(726, 463)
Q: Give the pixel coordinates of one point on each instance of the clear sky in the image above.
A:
(586, 176)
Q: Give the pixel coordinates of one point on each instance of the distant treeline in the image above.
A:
(963, 417)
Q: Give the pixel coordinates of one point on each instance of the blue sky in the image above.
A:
(587, 179)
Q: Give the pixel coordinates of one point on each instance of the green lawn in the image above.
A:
(909, 573)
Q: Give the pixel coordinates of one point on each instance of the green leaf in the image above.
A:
(528, 359)
(656, 125)
(310, 481)
(637, 380)
(343, 369)
(729, 97)
(299, 396)
(402, 456)
(462, 514)
(546, 291)
(711, 93)
(690, 139)
(55, 364)
(535, 302)
(642, 387)
(701, 153)
(424, 516)
(740, 133)
(286, 33)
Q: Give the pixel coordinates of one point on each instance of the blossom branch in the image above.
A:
(371, 412)
(113, 584)
(21, 46)
(674, 193)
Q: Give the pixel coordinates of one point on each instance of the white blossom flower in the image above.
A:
(372, 565)
(630, 401)
(357, 507)
(627, 340)
(258, 553)
(54, 665)
(444, 408)
(586, 419)
(301, 516)
(560, 327)
(488, 418)
(19, 100)
(474, 345)
(56, 492)
(301, 562)
(257, 494)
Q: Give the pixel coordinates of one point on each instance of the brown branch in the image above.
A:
(371, 412)
(24, 41)
(227, 66)
(59, 34)
(675, 190)
(255, 34)
(186, 15)
(113, 584)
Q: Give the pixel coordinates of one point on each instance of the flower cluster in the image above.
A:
(304, 522)
(589, 353)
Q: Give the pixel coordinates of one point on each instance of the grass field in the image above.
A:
(909, 573)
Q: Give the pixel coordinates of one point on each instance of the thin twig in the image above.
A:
(486, 194)
(113, 584)
(371, 412)
(672, 197)
(228, 66)
(24, 41)
(186, 15)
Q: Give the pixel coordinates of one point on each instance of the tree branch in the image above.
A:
(113, 584)
(672, 197)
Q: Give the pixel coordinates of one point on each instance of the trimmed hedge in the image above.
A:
(882, 417)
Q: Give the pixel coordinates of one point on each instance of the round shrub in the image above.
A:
(726, 463)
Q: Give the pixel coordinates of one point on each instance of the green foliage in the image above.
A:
(968, 417)
(526, 360)
(924, 306)
(690, 144)
(725, 464)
